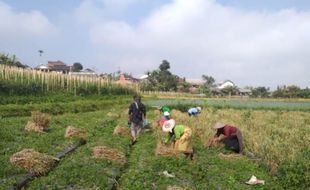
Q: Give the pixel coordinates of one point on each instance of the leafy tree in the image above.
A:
(291, 91)
(230, 90)
(77, 67)
(209, 81)
(161, 79)
(260, 91)
(5, 59)
(209, 84)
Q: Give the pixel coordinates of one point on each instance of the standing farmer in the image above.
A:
(136, 116)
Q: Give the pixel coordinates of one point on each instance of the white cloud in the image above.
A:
(31, 23)
(203, 37)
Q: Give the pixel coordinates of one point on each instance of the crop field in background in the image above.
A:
(18, 81)
(277, 137)
(269, 104)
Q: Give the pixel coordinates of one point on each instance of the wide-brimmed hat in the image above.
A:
(218, 125)
(168, 125)
(166, 113)
(199, 109)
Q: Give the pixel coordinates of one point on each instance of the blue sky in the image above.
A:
(253, 42)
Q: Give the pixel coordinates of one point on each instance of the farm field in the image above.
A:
(276, 137)
(263, 104)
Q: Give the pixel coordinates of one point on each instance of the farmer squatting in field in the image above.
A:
(136, 117)
(194, 111)
(229, 135)
(180, 136)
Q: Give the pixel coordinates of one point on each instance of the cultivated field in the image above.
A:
(276, 141)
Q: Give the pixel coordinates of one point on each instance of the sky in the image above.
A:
(252, 43)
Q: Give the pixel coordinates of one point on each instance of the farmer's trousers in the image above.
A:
(135, 129)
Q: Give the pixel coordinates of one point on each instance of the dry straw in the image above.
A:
(229, 156)
(75, 132)
(165, 150)
(33, 161)
(121, 130)
(39, 122)
(113, 115)
(174, 187)
(110, 154)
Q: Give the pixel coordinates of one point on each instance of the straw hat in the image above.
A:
(168, 125)
(218, 125)
(199, 109)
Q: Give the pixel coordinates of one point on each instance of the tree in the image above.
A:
(5, 59)
(77, 67)
(164, 66)
(230, 90)
(162, 79)
(291, 91)
(209, 81)
(260, 91)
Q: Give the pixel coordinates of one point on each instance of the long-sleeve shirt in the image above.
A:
(136, 112)
(227, 130)
(193, 111)
(178, 131)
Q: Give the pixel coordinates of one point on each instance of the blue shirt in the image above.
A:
(193, 111)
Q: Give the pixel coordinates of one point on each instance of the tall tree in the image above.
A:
(162, 79)
(77, 67)
(5, 59)
(260, 91)
(209, 81)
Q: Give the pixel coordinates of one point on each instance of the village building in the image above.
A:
(58, 66)
(225, 84)
(126, 79)
(86, 72)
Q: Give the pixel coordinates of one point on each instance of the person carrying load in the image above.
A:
(180, 135)
(194, 111)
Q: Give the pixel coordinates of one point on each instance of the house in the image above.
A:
(58, 66)
(42, 68)
(194, 85)
(127, 79)
(225, 84)
(244, 92)
(86, 72)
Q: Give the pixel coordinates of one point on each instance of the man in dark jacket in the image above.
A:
(136, 116)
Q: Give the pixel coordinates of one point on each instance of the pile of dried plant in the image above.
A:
(75, 132)
(33, 161)
(165, 150)
(121, 130)
(110, 154)
(39, 122)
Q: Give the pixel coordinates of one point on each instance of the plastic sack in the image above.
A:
(146, 124)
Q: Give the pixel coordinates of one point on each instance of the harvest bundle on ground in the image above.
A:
(33, 161)
(109, 153)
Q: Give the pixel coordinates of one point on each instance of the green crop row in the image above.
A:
(54, 98)
(13, 110)
(76, 170)
(238, 104)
